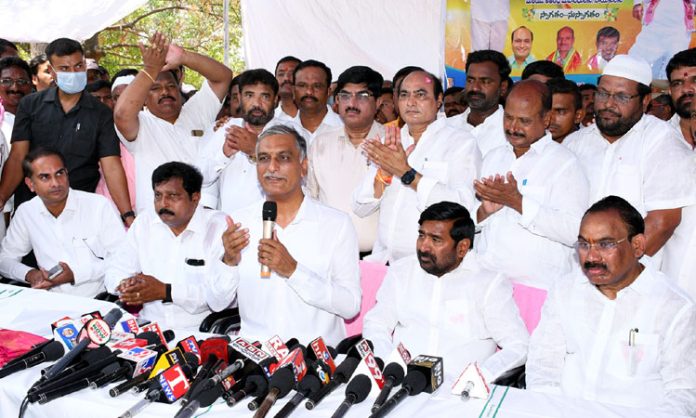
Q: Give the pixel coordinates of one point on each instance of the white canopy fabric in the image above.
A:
(384, 35)
(46, 20)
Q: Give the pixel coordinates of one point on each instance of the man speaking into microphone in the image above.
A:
(312, 254)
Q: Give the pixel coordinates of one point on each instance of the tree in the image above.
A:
(195, 25)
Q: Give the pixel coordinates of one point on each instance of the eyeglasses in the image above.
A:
(622, 98)
(360, 96)
(603, 246)
(7, 82)
(418, 95)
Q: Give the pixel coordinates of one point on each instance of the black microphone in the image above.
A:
(254, 385)
(308, 385)
(76, 385)
(393, 376)
(269, 215)
(35, 349)
(121, 373)
(49, 352)
(341, 375)
(280, 385)
(256, 402)
(356, 392)
(111, 318)
(414, 383)
(206, 370)
(209, 390)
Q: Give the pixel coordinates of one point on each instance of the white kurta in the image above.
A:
(580, 347)
(84, 236)
(159, 141)
(489, 134)
(336, 168)
(323, 291)
(331, 120)
(535, 247)
(191, 262)
(448, 160)
(462, 316)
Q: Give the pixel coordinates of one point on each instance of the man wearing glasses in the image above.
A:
(616, 330)
(635, 156)
(72, 122)
(337, 164)
(15, 83)
(425, 162)
(311, 89)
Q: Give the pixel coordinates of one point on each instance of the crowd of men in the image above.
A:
(581, 205)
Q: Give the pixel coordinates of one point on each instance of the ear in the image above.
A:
(30, 184)
(547, 119)
(638, 245)
(579, 115)
(438, 100)
(304, 165)
(463, 247)
(378, 102)
(196, 197)
(504, 86)
(646, 102)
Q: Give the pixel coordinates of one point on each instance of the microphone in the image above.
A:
(254, 385)
(269, 215)
(425, 374)
(76, 385)
(254, 404)
(111, 318)
(35, 349)
(342, 374)
(207, 391)
(280, 385)
(49, 352)
(309, 385)
(393, 376)
(356, 392)
(122, 372)
(144, 377)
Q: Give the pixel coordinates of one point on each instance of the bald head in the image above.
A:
(534, 92)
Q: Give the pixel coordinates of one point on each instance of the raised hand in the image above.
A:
(234, 240)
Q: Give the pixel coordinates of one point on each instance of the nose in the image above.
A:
(273, 165)
(593, 254)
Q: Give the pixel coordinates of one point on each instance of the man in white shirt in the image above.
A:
(72, 233)
(166, 130)
(171, 260)
(566, 108)
(616, 331)
(287, 109)
(487, 74)
(313, 256)
(337, 164)
(533, 193)
(635, 156)
(311, 90)
(15, 83)
(489, 24)
(681, 74)
(227, 157)
(425, 162)
(444, 303)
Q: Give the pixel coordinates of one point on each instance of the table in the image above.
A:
(33, 311)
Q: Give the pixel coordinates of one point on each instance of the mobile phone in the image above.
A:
(55, 272)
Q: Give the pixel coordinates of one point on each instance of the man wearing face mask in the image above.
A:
(76, 124)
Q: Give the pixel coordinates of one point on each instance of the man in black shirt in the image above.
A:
(72, 122)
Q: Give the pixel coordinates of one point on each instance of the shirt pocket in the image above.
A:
(637, 361)
(461, 319)
(436, 170)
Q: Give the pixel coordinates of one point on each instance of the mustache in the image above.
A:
(515, 134)
(165, 211)
(472, 94)
(608, 111)
(685, 96)
(165, 97)
(268, 175)
(256, 109)
(590, 265)
(353, 109)
(424, 255)
(309, 97)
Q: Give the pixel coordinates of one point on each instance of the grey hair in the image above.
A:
(285, 130)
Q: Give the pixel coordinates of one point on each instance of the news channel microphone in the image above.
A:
(254, 385)
(49, 352)
(356, 392)
(318, 374)
(76, 385)
(393, 376)
(269, 215)
(342, 375)
(280, 385)
(94, 327)
(424, 374)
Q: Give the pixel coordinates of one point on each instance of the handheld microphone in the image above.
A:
(35, 349)
(121, 373)
(111, 318)
(269, 215)
(280, 385)
(75, 386)
(307, 386)
(256, 402)
(393, 376)
(356, 392)
(207, 391)
(342, 374)
(254, 385)
(49, 352)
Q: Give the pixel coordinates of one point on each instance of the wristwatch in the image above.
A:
(126, 215)
(408, 177)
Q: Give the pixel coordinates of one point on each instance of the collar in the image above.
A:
(86, 99)
(71, 204)
(308, 212)
(646, 284)
(328, 117)
(468, 264)
(538, 147)
(197, 223)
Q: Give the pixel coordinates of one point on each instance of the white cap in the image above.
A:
(92, 64)
(123, 80)
(629, 67)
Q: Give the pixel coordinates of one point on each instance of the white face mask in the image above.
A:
(71, 83)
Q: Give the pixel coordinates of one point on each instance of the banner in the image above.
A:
(579, 35)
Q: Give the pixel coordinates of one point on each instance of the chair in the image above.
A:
(371, 277)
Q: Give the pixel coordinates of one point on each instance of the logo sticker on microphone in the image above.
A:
(98, 331)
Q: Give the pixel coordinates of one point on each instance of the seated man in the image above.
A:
(618, 331)
(171, 260)
(70, 229)
(442, 302)
(313, 257)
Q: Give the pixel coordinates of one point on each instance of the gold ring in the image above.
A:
(137, 295)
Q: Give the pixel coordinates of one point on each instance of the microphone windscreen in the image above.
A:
(150, 336)
(348, 343)
(416, 381)
(270, 211)
(332, 351)
(380, 363)
(283, 379)
(53, 351)
(345, 370)
(260, 382)
(360, 386)
(292, 343)
(394, 371)
(309, 384)
(113, 316)
(169, 335)
(191, 360)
